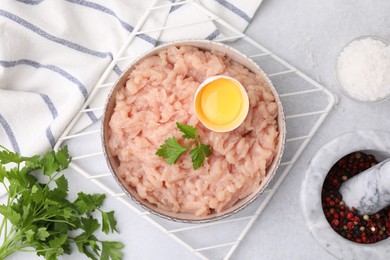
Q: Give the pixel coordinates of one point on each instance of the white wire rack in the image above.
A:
(306, 104)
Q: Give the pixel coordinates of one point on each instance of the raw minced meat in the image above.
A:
(158, 93)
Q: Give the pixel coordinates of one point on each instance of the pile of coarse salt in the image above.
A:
(363, 69)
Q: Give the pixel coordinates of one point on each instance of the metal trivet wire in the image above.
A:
(306, 104)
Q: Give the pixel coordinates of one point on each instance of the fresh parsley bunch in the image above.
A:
(38, 215)
(171, 150)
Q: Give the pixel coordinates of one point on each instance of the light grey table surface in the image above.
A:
(309, 35)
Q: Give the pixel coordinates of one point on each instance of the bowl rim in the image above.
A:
(340, 86)
(280, 119)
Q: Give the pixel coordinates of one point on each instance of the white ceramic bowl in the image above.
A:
(113, 162)
(342, 88)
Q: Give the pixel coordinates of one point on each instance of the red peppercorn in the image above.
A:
(349, 215)
(341, 163)
(350, 225)
(335, 222)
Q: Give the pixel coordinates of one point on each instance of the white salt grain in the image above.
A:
(363, 69)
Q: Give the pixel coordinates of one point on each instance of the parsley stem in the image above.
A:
(9, 251)
(33, 250)
(55, 220)
(3, 226)
(6, 248)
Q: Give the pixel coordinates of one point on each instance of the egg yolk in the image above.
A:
(220, 101)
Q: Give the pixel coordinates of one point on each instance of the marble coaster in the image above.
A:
(375, 142)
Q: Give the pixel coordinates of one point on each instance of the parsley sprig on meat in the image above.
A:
(37, 214)
(171, 150)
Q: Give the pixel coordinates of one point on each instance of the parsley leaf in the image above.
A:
(109, 222)
(188, 131)
(171, 150)
(111, 250)
(3, 173)
(7, 156)
(9, 213)
(90, 225)
(86, 203)
(30, 235)
(49, 164)
(41, 215)
(42, 234)
(63, 159)
(198, 155)
(62, 184)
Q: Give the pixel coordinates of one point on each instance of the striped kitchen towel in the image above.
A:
(53, 52)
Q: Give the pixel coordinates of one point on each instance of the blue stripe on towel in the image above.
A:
(50, 37)
(30, 2)
(91, 115)
(108, 11)
(53, 68)
(234, 9)
(50, 105)
(50, 137)
(10, 134)
(147, 38)
(54, 114)
(117, 70)
(213, 35)
(175, 7)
